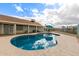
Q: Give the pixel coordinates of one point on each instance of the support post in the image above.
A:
(28, 29)
(2, 28)
(36, 29)
(14, 29)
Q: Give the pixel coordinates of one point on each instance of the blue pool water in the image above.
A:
(34, 42)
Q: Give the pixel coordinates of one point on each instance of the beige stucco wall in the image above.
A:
(78, 31)
(41, 29)
(25, 30)
(32, 28)
(1, 29)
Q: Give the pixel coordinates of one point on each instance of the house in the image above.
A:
(13, 25)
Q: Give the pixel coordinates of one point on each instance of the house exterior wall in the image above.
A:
(1, 29)
(32, 29)
(40, 29)
(21, 29)
(18, 29)
(78, 31)
(11, 25)
(8, 28)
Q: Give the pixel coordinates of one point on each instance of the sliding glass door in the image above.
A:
(8, 29)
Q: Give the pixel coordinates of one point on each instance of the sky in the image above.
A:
(54, 12)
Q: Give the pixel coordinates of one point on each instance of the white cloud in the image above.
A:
(39, 16)
(35, 10)
(66, 2)
(18, 8)
(70, 14)
(51, 16)
(48, 16)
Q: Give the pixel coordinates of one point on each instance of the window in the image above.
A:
(19, 27)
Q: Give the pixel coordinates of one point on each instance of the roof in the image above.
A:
(14, 20)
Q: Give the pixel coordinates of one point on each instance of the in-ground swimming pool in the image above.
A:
(34, 42)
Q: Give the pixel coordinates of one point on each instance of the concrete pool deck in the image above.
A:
(67, 46)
